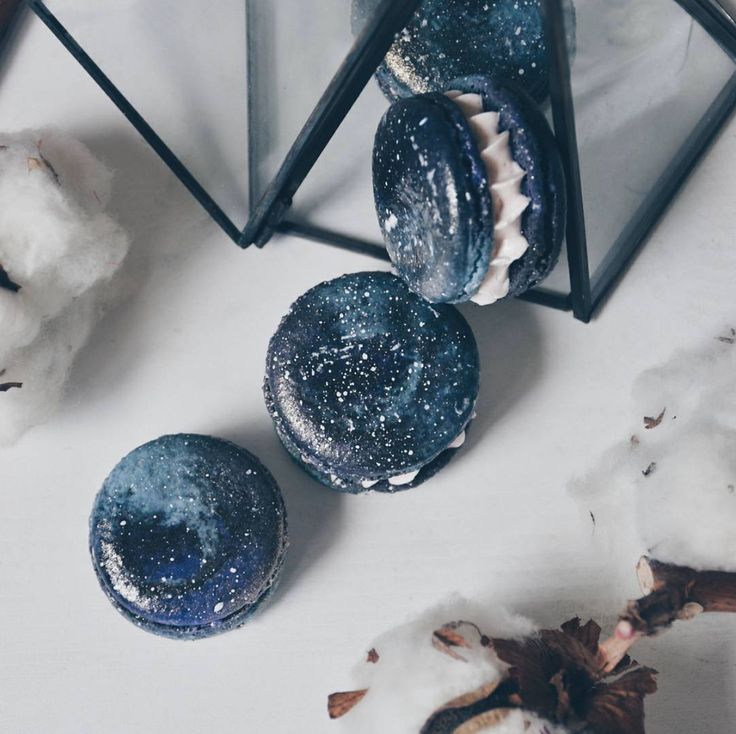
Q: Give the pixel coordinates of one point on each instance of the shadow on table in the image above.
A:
(314, 511)
(695, 661)
(511, 347)
(162, 220)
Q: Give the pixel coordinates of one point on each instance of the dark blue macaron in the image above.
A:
(433, 198)
(369, 386)
(188, 535)
(446, 39)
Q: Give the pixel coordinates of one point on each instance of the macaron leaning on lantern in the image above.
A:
(469, 191)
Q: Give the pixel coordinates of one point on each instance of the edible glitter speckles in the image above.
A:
(367, 382)
(187, 535)
(432, 196)
(504, 39)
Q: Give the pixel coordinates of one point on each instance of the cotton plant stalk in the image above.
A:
(671, 593)
(460, 678)
(547, 681)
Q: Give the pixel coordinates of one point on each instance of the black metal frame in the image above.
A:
(268, 215)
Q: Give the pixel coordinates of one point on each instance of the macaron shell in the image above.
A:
(350, 486)
(187, 535)
(535, 149)
(366, 381)
(504, 39)
(234, 621)
(432, 198)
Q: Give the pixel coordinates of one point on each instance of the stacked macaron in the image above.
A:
(371, 387)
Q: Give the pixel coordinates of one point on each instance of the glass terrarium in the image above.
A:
(634, 103)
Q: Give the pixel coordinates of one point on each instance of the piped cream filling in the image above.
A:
(409, 477)
(505, 176)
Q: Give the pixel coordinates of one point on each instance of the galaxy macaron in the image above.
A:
(446, 39)
(371, 387)
(469, 191)
(188, 535)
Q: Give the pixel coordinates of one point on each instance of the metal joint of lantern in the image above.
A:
(269, 215)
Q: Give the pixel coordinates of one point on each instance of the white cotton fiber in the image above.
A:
(62, 249)
(412, 679)
(671, 492)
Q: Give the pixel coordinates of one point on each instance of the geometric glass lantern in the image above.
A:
(648, 88)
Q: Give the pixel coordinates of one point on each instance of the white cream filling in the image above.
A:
(403, 478)
(505, 176)
(458, 442)
(409, 477)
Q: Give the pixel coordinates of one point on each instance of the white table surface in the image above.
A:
(184, 352)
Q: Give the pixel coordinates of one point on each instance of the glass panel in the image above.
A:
(644, 76)
(294, 49)
(289, 74)
(139, 47)
(729, 6)
(338, 193)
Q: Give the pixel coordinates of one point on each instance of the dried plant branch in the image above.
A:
(555, 675)
(568, 676)
(671, 593)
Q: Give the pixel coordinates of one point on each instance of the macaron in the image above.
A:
(188, 535)
(446, 39)
(371, 387)
(469, 191)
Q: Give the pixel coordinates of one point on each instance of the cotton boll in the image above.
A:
(687, 514)
(411, 679)
(671, 491)
(62, 249)
(522, 722)
(42, 367)
(694, 385)
(19, 323)
(607, 493)
(52, 219)
(87, 180)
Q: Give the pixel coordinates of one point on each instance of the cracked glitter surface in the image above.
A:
(431, 191)
(503, 39)
(365, 380)
(187, 535)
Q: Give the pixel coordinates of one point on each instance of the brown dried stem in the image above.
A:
(567, 676)
(671, 593)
